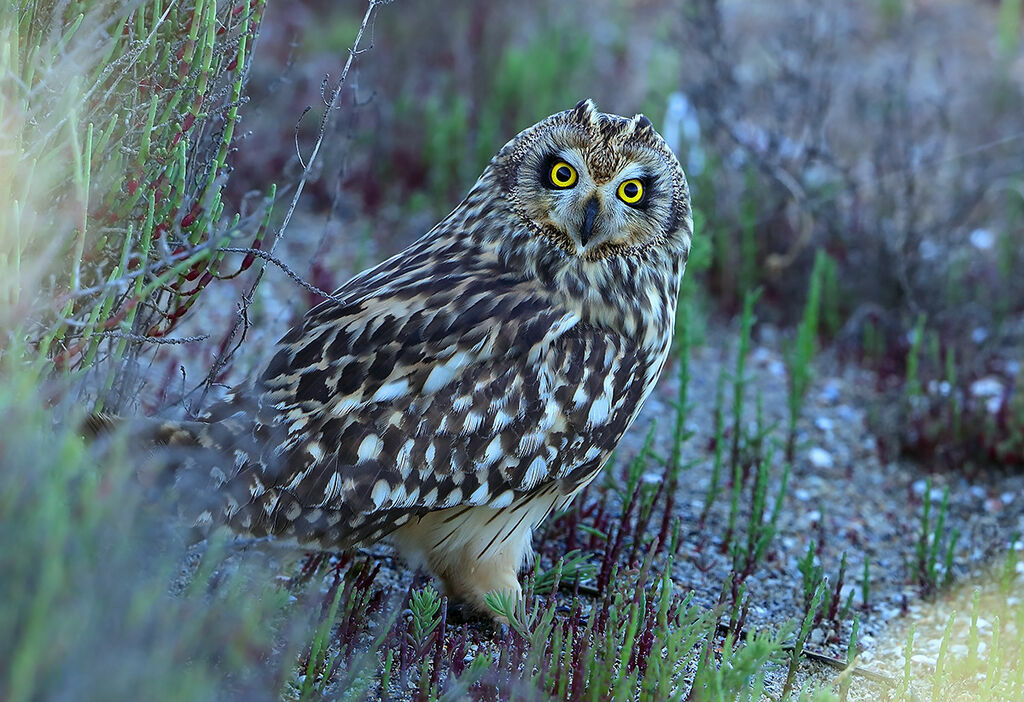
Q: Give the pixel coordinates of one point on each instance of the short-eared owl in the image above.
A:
(455, 395)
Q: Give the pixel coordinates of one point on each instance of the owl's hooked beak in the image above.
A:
(587, 230)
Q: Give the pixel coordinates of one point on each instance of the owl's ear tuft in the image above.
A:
(584, 112)
(642, 127)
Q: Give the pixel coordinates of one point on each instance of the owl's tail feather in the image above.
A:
(229, 472)
(186, 462)
(145, 432)
(98, 424)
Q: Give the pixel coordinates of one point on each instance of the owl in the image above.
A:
(453, 396)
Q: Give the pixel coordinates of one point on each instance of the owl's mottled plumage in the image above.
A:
(454, 395)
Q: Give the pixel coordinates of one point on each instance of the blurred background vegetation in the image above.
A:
(865, 155)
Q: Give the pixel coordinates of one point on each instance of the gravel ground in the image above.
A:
(841, 495)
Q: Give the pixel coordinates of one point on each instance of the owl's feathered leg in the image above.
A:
(470, 583)
(476, 550)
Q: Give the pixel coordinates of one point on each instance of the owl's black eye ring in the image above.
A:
(631, 191)
(562, 175)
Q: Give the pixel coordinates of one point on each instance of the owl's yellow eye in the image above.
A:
(562, 175)
(631, 191)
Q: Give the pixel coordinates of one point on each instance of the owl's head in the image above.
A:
(596, 186)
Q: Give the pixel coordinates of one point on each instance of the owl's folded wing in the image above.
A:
(471, 393)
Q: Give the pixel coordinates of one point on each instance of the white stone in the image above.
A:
(830, 392)
(988, 386)
(990, 389)
(982, 239)
(929, 250)
(820, 458)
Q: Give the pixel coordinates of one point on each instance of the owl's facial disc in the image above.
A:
(594, 214)
(595, 186)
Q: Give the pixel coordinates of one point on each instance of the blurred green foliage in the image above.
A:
(89, 565)
(526, 84)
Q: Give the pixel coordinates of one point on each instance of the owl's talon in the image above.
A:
(462, 613)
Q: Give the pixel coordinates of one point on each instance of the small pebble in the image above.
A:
(824, 423)
(848, 413)
(820, 458)
(989, 386)
(982, 239)
(830, 391)
(929, 250)
(889, 613)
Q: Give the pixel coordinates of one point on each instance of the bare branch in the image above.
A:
(153, 339)
(283, 266)
(298, 150)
